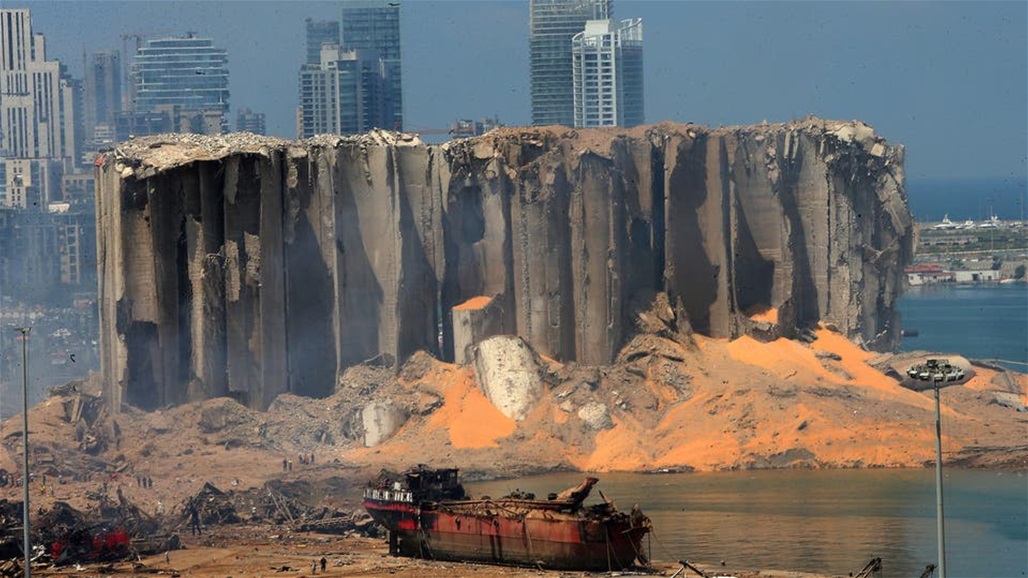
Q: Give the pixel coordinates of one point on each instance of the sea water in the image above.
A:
(823, 521)
(976, 199)
(976, 321)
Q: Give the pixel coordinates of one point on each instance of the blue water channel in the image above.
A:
(977, 321)
(829, 522)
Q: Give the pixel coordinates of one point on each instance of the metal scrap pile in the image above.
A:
(64, 535)
(278, 503)
(10, 530)
(213, 506)
(126, 514)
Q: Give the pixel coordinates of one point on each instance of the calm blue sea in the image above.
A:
(930, 199)
(976, 321)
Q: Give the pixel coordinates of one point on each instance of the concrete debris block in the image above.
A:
(475, 320)
(654, 316)
(864, 134)
(483, 150)
(381, 419)
(846, 133)
(1008, 399)
(508, 374)
(595, 415)
(254, 266)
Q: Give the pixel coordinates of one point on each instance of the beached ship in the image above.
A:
(429, 515)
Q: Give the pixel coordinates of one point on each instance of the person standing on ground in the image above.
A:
(194, 520)
(324, 563)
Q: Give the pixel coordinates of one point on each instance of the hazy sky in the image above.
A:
(946, 79)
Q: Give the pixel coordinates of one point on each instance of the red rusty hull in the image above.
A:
(470, 531)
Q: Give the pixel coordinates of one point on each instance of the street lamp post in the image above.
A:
(26, 543)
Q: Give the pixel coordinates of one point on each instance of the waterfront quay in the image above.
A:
(992, 251)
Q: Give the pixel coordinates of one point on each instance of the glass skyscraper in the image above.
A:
(184, 75)
(553, 24)
(319, 33)
(374, 26)
(608, 73)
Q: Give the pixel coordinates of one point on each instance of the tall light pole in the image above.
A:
(941, 525)
(938, 371)
(26, 543)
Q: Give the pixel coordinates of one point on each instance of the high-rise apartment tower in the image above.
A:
(347, 93)
(186, 77)
(553, 23)
(374, 26)
(102, 98)
(608, 73)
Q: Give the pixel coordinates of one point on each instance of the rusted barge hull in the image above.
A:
(556, 541)
(558, 533)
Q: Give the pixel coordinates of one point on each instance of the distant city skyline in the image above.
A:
(949, 80)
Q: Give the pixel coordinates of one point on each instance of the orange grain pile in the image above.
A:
(617, 449)
(472, 421)
(474, 303)
(767, 316)
(782, 356)
(854, 362)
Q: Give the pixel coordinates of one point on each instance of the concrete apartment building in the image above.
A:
(46, 233)
(607, 65)
(553, 24)
(250, 121)
(36, 100)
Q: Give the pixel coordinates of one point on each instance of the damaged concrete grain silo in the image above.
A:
(250, 266)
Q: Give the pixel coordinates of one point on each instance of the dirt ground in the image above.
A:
(263, 551)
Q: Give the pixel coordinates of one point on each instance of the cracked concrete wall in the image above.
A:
(252, 266)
